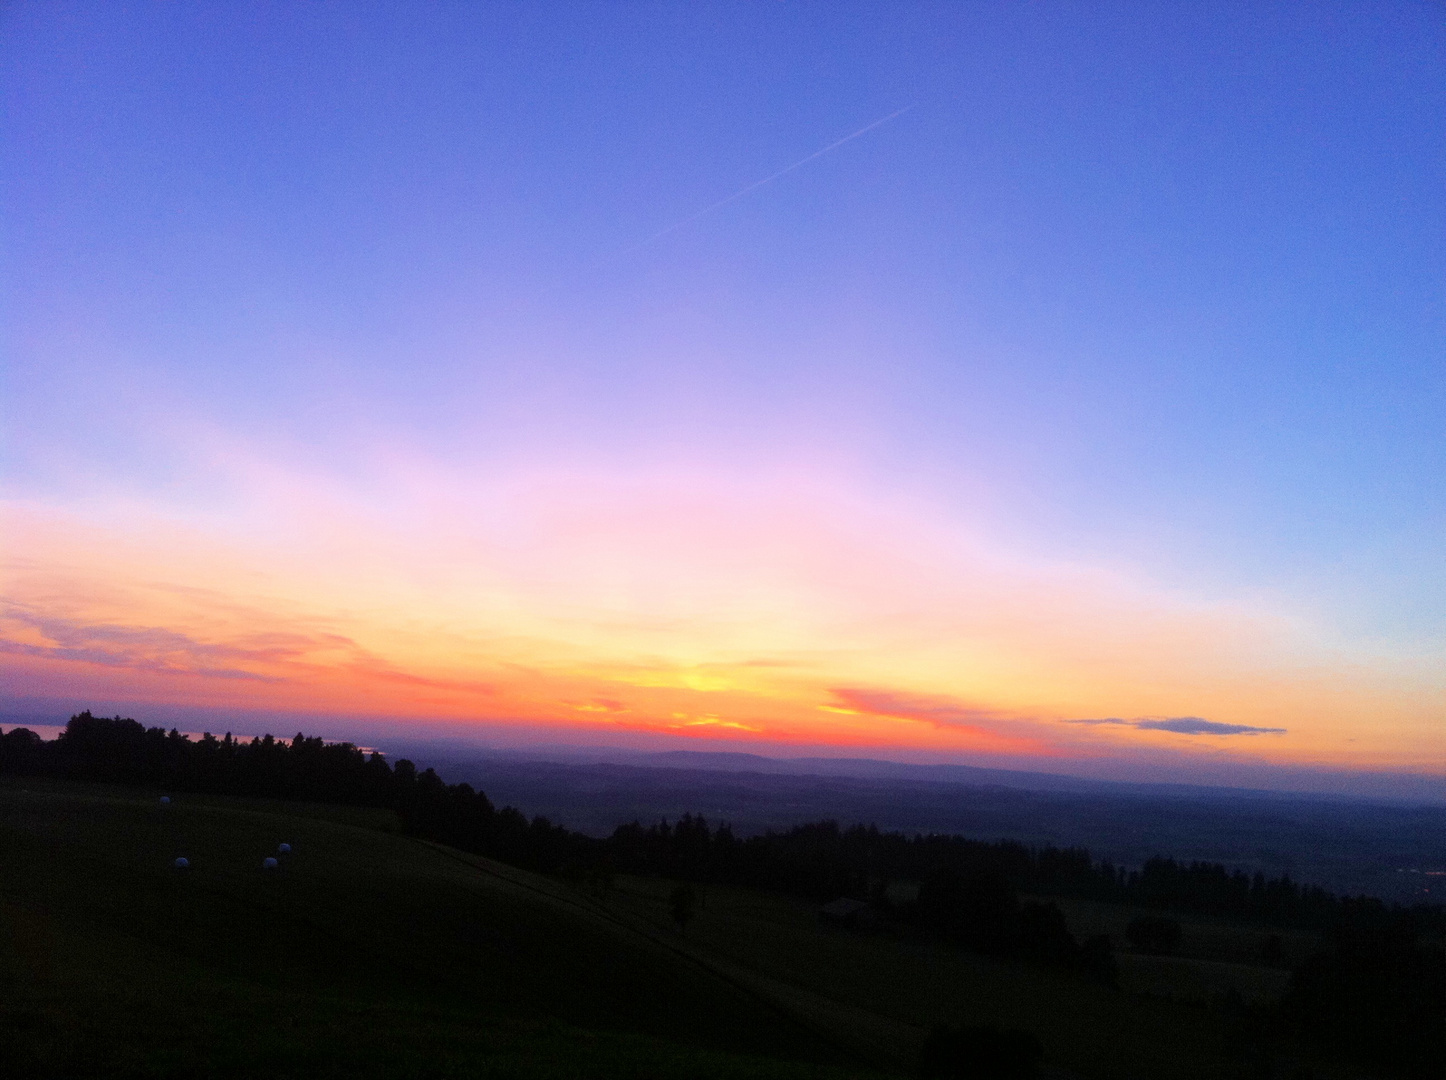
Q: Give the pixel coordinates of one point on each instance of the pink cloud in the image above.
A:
(934, 709)
(990, 729)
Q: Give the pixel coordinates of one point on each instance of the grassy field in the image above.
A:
(1214, 956)
(364, 954)
(368, 954)
(1156, 1025)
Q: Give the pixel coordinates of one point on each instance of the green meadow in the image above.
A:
(369, 954)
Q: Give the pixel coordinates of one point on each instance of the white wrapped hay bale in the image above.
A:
(285, 849)
(182, 864)
(268, 863)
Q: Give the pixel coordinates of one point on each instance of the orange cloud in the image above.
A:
(979, 728)
(598, 705)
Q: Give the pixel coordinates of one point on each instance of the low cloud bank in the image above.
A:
(1185, 725)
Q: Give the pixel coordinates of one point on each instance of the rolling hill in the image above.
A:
(366, 953)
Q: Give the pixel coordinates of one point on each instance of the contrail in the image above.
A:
(766, 180)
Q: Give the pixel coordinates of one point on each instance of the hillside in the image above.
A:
(363, 954)
(367, 953)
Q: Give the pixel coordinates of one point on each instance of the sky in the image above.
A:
(1047, 384)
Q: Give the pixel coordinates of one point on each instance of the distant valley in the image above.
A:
(1397, 852)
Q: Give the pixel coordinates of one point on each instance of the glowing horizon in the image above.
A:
(925, 446)
(779, 611)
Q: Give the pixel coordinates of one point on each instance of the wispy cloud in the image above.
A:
(268, 656)
(1184, 725)
(598, 705)
(149, 648)
(985, 729)
(709, 720)
(938, 710)
(111, 658)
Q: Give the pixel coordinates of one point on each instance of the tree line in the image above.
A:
(822, 860)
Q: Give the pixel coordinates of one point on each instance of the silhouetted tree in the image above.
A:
(20, 752)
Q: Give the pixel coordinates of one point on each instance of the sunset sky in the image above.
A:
(1077, 402)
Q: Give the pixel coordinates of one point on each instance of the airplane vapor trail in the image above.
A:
(766, 180)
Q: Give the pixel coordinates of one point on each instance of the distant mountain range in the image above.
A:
(976, 776)
(1275, 783)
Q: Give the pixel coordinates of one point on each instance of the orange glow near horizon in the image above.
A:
(788, 613)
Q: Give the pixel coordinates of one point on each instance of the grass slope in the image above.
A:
(880, 993)
(364, 954)
(369, 954)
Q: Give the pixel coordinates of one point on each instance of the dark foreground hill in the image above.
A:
(362, 954)
(366, 953)
(367, 947)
